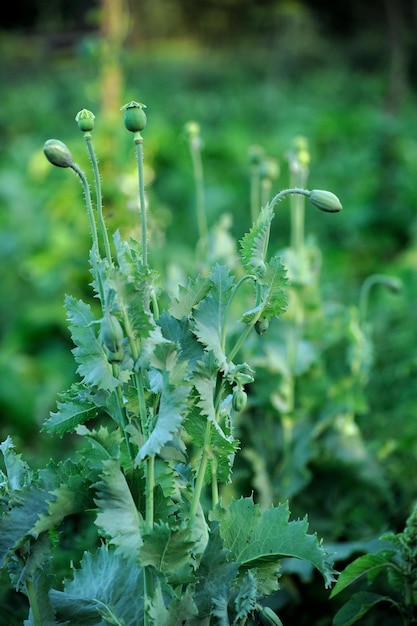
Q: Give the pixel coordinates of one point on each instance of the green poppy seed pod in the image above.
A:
(57, 153)
(325, 201)
(134, 116)
(85, 120)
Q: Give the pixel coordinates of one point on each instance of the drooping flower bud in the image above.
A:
(57, 153)
(134, 116)
(325, 200)
(85, 120)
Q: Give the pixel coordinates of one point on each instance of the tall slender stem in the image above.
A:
(99, 197)
(142, 202)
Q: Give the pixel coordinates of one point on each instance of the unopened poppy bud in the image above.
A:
(325, 200)
(111, 336)
(262, 325)
(134, 116)
(57, 153)
(239, 399)
(85, 120)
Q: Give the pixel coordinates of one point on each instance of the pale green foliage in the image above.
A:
(163, 381)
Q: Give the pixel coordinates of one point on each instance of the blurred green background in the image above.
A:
(344, 76)
(251, 73)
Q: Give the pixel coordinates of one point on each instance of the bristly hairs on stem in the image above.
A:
(135, 121)
(85, 120)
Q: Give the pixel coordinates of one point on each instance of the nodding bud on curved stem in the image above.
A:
(57, 153)
(325, 201)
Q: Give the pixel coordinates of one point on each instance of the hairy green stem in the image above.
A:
(123, 416)
(142, 202)
(99, 197)
(89, 205)
(199, 483)
(33, 601)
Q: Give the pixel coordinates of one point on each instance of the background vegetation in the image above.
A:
(249, 73)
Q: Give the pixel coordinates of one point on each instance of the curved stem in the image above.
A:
(99, 198)
(287, 192)
(89, 205)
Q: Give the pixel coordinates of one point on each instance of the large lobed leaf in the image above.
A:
(256, 538)
(118, 516)
(93, 365)
(75, 409)
(107, 589)
(209, 314)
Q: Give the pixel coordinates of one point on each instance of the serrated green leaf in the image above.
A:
(68, 498)
(357, 606)
(274, 299)
(118, 516)
(47, 617)
(209, 314)
(255, 538)
(93, 596)
(178, 612)
(18, 523)
(93, 365)
(246, 597)
(189, 297)
(219, 439)
(369, 564)
(254, 244)
(55, 492)
(170, 552)
(36, 557)
(131, 283)
(173, 388)
(216, 574)
(19, 474)
(179, 332)
(275, 279)
(102, 444)
(75, 409)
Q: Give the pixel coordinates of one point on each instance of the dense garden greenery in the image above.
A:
(333, 430)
